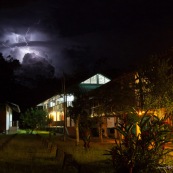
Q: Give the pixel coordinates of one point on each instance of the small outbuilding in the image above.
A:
(6, 117)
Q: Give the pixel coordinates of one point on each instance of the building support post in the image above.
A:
(65, 107)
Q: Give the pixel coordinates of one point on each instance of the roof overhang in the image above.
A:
(14, 107)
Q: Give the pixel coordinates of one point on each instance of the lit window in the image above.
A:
(94, 79)
(101, 79)
(86, 81)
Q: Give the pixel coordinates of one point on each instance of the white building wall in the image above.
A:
(8, 117)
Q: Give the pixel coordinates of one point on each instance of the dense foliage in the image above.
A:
(34, 118)
(145, 151)
(141, 146)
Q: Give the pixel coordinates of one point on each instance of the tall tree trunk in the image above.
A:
(100, 132)
(77, 129)
(131, 170)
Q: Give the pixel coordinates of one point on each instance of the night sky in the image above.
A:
(86, 36)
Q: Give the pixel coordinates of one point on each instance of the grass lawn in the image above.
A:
(91, 160)
(27, 154)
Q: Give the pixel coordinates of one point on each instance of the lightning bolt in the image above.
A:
(26, 36)
(19, 43)
(5, 45)
(28, 30)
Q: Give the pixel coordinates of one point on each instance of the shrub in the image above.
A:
(143, 152)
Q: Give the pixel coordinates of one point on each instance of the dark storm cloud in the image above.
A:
(25, 31)
(119, 31)
(18, 40)
(33, 69)
(52, 37)
(33, 65)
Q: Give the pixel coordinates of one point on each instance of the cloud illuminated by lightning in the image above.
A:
(37, 41)
(18, 44)
(17, 41)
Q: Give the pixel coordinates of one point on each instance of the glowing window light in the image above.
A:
(53, 115)
(70, 98)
